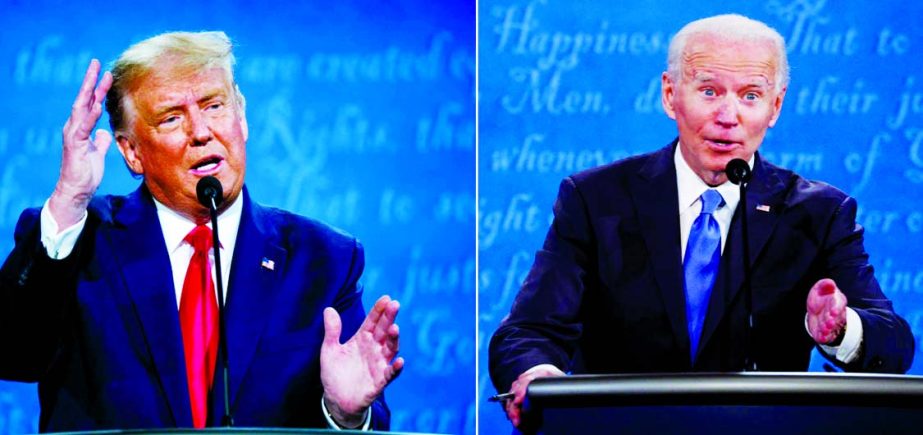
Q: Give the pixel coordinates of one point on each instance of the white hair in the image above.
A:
(731, 27)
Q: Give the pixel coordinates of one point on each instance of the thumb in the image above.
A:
(102, 140)
(332, 327)
(819, 294)
(825, 287)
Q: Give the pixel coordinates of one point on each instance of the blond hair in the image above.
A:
(732, 27)
(188, 50)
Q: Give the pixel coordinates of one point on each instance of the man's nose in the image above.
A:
(198, 127)
(727, 113)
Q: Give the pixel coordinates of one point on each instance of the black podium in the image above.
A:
(735, 403)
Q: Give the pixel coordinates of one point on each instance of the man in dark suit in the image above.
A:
(109, 302)
(642, 268)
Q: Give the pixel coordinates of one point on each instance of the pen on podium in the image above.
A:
(502, 397)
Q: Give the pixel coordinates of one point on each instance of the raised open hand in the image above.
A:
(83, 158)
(356, 372)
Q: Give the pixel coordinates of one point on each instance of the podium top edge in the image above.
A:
(236, 430)
(732, 388)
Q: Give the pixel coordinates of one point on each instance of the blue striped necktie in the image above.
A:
(700, 266)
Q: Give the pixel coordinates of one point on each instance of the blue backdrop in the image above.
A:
(567, 85)
(361, 114)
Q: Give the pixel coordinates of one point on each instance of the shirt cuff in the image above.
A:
(545, 366)
(333, 424)
(57, 244)
(849, 347)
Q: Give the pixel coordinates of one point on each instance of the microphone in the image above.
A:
(738, 172)
(210, 194)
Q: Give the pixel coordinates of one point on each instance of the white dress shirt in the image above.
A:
(690, 187)
(175, 228)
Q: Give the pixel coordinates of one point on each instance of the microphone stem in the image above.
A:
(749, 360)
(222, 339)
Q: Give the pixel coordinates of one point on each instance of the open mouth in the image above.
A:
(722, 144)
(207, 165)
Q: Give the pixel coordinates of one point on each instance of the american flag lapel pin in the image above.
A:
(763, 207)
(268, 264)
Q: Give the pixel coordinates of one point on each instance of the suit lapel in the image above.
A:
(765, 189)
(252, 289)
(660, 228)
(138, 247)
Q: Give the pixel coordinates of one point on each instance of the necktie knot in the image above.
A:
(711, 200)
(200, 238)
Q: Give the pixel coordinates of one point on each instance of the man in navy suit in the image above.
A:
(642, 268)
(97, 290)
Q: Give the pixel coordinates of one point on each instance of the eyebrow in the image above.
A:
(206, 97)
(761, 82)
(756, 81)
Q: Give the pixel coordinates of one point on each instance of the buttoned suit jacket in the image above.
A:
(605, 292)
(99, 330)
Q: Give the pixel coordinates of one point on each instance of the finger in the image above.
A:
(819, 294)
(814, 303)
(397, 367)
(512, 410)
(393, 342)
(88, 120)
(371, 320)
(516, 406)
(386, 320)
(512, 413)
(332, 327)
(82, 101)
(839, 302)
(103, 88)
(519, 394)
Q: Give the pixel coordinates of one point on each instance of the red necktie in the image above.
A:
(198, 314)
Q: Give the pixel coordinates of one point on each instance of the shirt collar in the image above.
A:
(175, 226)
(690, 187)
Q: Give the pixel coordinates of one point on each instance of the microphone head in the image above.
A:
(738, 171)
(209, 188)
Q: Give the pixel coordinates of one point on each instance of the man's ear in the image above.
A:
(130, 152)
(777, 107)
(242, 112)
(667, 93)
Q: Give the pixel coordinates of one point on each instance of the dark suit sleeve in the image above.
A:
(33, 292)
(544, 323)
(888, 344)
(349, 304)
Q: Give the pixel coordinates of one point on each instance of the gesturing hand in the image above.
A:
(83, 157)
(355, 373)
(826, 311)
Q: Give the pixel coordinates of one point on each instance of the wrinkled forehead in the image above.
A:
(167, 87)
(707, 56)
(170, 70)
